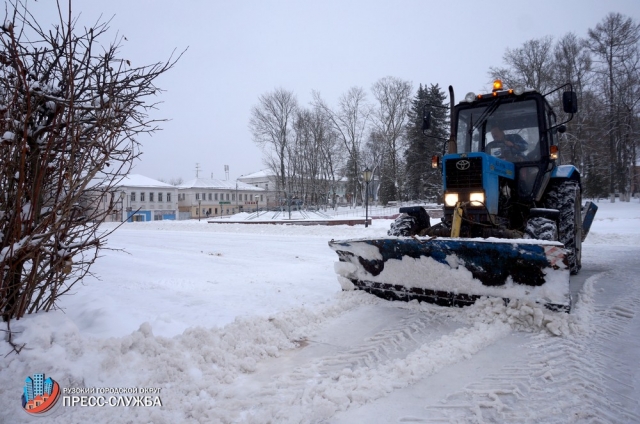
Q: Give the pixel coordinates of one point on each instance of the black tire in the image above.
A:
(403, 226)
(540, 228)
(565, 196)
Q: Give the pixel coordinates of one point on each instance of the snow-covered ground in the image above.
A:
(247, 323)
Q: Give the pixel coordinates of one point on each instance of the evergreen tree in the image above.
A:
(352, 181)
(387, 190)
(422, 181)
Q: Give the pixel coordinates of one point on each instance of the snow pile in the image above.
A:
(191, 369)
(523, 315)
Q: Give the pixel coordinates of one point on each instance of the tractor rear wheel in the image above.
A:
(403, 226)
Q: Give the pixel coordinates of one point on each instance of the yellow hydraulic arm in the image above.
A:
(457, 221)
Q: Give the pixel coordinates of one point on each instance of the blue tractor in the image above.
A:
(513, 222)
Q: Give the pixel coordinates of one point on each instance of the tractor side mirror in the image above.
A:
(569, 102)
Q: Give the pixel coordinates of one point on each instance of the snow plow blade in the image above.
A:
(455, 272)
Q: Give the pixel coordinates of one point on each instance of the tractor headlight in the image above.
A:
(450, 199)
(476, 199)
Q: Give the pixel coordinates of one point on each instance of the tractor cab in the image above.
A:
(516, 126)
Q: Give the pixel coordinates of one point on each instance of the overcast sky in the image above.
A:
(238, 50)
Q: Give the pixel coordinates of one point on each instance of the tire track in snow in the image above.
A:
(419, 343)
(560, 380)
(391, 343)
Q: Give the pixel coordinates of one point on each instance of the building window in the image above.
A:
(227, 199)
(133, 196)
(142, 196)
(216, 197)
(266, 186)
(246, 197)
(233, 196)
(159, 197)
(168, 197)
(261, 197)
(210, 196)
(197, 196)
(151, 197)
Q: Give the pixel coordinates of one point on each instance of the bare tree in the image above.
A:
(349, 121)
(389, 119)
(271, 125)
(71, 111)
(614, 42)
(573, 64)
(315, 150)
(530, 65)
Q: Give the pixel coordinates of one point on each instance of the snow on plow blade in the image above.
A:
(455, 272)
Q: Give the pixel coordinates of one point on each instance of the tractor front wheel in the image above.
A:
(565, 196)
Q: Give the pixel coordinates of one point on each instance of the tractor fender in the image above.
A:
(567, 172)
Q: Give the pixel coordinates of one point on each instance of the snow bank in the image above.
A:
(191, 369)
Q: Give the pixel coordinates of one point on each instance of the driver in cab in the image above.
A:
(509, 147)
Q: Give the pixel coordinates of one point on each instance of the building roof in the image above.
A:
(258, 174)
(218, 184)
(137, 180)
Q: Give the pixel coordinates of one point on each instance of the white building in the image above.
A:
(266, 180)
(139, 198)
(206, 197)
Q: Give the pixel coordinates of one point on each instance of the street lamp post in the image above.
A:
(122, 194)
(366, 176)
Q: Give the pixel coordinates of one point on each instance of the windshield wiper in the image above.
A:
(485, 115)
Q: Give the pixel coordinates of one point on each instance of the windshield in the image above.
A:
(505, 130)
